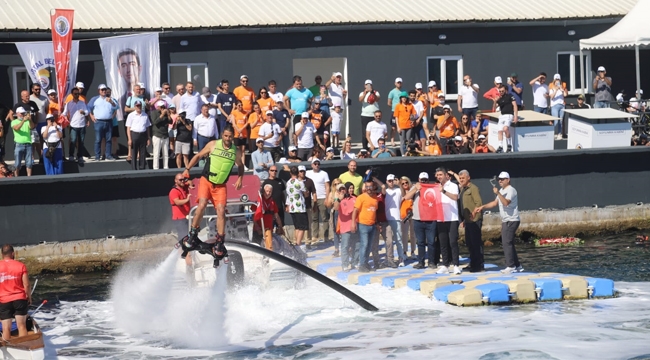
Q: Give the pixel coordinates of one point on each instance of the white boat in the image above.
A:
(30, 346)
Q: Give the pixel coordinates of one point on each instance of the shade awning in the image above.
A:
(632, 30)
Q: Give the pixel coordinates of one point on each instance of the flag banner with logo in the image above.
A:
(130, 60)
(62, 24)
(38, 58)
(430, 205)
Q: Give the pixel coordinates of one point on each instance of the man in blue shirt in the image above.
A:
(516, 89)
(225, 101)
(298, 99)
(282, 117)
(102, 110)
(381, 151)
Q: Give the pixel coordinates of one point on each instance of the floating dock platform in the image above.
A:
(490, 287)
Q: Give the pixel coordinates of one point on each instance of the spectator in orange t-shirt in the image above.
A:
(405, 115)
(365, 213)
(14, 293)
(448, 126)
(433, 148)
(266, 103)
(239, 120)
(245, 94)
(255, 121)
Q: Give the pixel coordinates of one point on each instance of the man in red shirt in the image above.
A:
(179, 199)
(14, 295)
(266, 213)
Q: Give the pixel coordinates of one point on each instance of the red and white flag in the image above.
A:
(62, 43)
(430, 204)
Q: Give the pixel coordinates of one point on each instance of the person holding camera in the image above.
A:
(406, 116)
(448, 126)
(22, 127)
(52, 146)
(381, 151)
(160, 134)
(183, 143)
(602, 89)
(481, 146)
(508, 203)
(369, 99)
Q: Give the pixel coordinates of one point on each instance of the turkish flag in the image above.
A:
(430, 204)
(265, 210)
(62, 41)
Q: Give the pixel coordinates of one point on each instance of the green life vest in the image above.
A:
(220, 163)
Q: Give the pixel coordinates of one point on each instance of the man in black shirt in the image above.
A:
(278, 194)
(183, 140)
(458, 147)
(509, 114)
(225, 102)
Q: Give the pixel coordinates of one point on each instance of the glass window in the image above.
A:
(568, 66)
(447, 72)
(21, 81)
(182, 73)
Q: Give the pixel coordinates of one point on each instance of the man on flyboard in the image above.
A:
(221, 155)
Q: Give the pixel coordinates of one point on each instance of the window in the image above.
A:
(568, 66)
(197, 73)
(447, 72)
(20, 81)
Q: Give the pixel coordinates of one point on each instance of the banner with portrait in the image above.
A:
(38, 58)
(129, 60)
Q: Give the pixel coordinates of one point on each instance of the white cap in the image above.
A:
(158, 89)
(243, 77)
(337, 74)
(390, 177)
(101, 86)
(269, 112)
(640, 91)
(423, 175)
(498, 80)
(259, 139)
(302, 168)
(21, 110)
(481, 136)
(292, 148)
(326, 132)
(504, 175)
(368, 82)
(441, 94)
(363, 150)
(458, 138)
(141, 84)
(336, 101)
(316, 160)
(601, 68)
(49, 116)
(432, 83)
(329, 149)
(305, 115)
(161, 103)
(52, 91)
(399, 79)
(619, 97)
(418, 85)
(446, 107)
(556, 77)
(79, 85)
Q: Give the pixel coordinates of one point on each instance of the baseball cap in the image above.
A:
(601, 68)
(258, 140)
(368, 82)
(243, 77)
(423, 175)
(101, 86)
(418, 85)
(21, 110)
(138, 103)
(458, 138)
(498, 80)
(49, 116)
(390, 177)
(205, 90)
(581, 97)
(326, 132)
(292, 148)
(432, 83)
(79, 85)
(302, 168)
(556, 77)
(481, 136)
(305, 115)
(363, 150)
(161, 103)
(340, 186)
(399, 79)
(269, 112)
(172, 106)
(640, 92)
(504, 175)
(514, 74)
(317, 160)
(329, 149)
(158, 89)
(141, 84)
(52, 91)
(441, 94)
(337, 74)
(447, 107)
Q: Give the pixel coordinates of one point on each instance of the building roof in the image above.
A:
(94, 15)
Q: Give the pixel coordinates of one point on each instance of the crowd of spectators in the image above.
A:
(309, 119)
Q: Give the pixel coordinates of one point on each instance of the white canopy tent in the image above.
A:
(633, 30)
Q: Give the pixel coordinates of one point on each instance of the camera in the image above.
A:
(412, 146)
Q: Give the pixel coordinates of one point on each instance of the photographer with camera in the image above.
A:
(183, 143)
(381, 151)
(414, 149)
(52, 147)
(22, 127)
(481, 146)
(448, 126)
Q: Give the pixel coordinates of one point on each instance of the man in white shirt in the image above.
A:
(204, 129)
(272, 135)
(322, 184)
(77, 111)
(190, 102)
(448, 229)
(138, 126)
(305, 135)
(540, 94)
(369, 99)
(392, 202)
(376, 130)
(211, 100)
(277, 96)
(468, 97)
(336, 90)
(176, 100)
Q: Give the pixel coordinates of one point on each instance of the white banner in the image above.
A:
(39, 61)
(129, 60)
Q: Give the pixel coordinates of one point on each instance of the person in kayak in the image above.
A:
(221, 155)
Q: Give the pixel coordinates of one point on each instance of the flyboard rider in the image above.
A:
(222, 155)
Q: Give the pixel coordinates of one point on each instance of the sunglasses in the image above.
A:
(424, 180)
(501, 179)
(389, 180)
(244, 81)
(166, 88)
(272, 170)
(404, 183)
(263, 92)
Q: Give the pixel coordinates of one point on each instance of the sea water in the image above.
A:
(145, 317)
